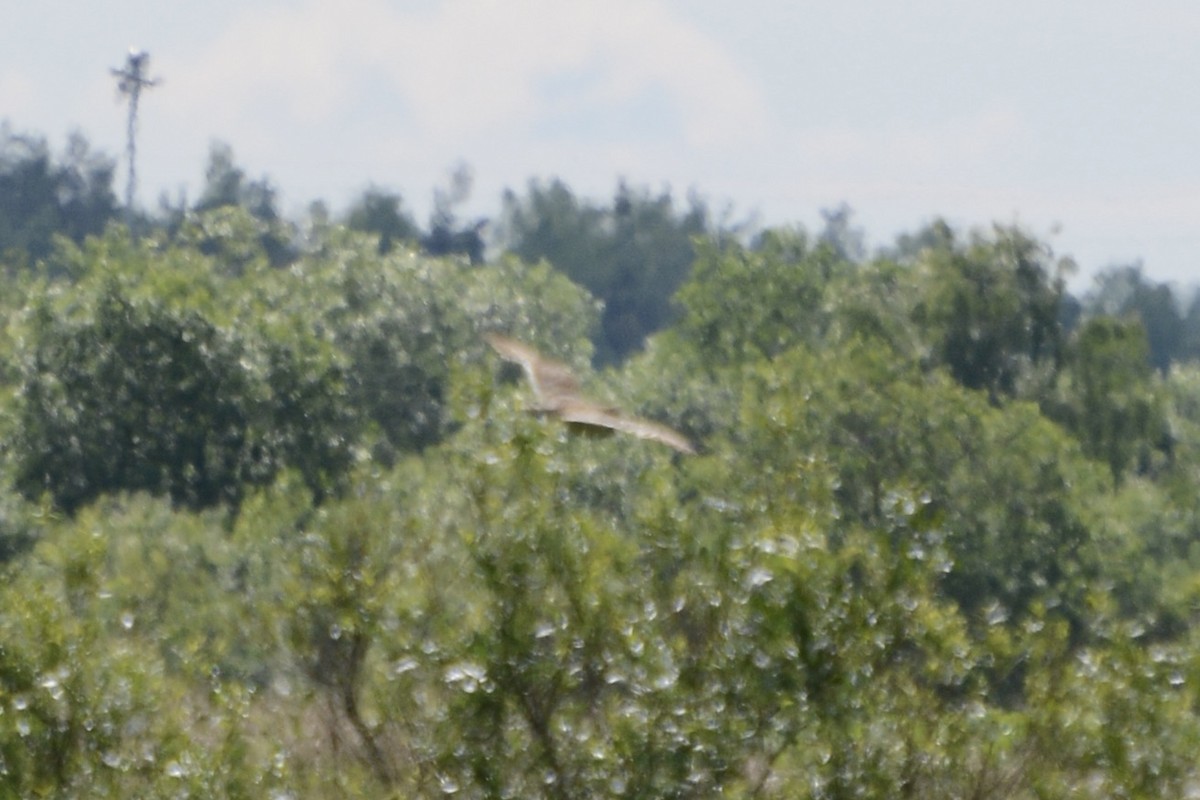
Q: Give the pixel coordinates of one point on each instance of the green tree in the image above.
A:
(227, 188)
(910, 247)
(631, 255)
(743, 304)
(1125, 291)
(1191, 327)
(888, 572)
(382, 213)
(403, 323)
(447, 236)
(135, 378)
(992, 310)
(225, 184)
(1108, 398)
(877, 300)
(42, 196)
(999, 493)
(162, 394)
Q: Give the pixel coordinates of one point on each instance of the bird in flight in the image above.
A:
(558, 394)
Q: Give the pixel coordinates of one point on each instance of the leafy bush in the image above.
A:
(136, 396)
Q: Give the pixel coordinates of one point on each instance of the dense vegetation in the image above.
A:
(275, 523)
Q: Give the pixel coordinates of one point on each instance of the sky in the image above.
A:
(1078, 120)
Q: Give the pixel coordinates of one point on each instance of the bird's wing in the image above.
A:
(558, 392)
(511, 349)
(587, 413)
(551, 380)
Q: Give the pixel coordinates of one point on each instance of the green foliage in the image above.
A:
(135, 380)
(877, 301)
(992, 308)
(161, 369)
(1124, 291)
(225, 185)
(1108, 398)
(163, 395)
(81, 697)
(474, 623)
(1181, 391)
(380, 212)
(226, 190)
(235, 240)
(632, 255)
(582, 653)
(1002, 490)
(447, 236)
(43, 196)
(747, 304)
(402, 323)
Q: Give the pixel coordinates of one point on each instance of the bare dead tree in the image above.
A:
(131, 79)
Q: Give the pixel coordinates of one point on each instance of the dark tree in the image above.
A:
(444, 240)
(226, 187)
(1125, 291)
(225, 184)
(1108, 398)
(993, 308)
(382, 213)
(137, 399)
(132, 385)
(632, 254)
(42, 196)
(847, 240)
(447, 235)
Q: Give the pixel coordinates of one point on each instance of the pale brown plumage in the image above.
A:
(558, 394)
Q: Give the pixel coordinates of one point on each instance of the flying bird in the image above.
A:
(558, 394)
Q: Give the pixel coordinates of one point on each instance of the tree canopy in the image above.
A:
(43, 196)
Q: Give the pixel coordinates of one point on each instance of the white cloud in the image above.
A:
(325, 97)
(270, 60)
(983, 140)
(466, 72)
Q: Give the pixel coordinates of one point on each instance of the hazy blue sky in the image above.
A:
(1076, 117)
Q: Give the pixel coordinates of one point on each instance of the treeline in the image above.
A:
(274, 521)
(632, 252)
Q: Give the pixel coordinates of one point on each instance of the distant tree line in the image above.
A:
(43, 194)
(631, 252)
